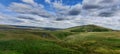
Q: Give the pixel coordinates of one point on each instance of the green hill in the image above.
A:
(88, 39)
(89, 28)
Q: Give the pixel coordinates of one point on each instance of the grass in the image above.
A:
(97, 42)
(61, 34)
(27, 42)
(58, 42)
(33, 47)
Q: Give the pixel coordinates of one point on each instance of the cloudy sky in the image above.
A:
(60, 13)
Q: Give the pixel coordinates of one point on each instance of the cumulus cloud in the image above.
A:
(7, 19)
(100, 12)
(75, 10)
(28, 9)
(29, 1)
(101, 7)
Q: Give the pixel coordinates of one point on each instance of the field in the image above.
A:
(97, 40)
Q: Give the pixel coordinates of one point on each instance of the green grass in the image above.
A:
(97, 42)
(33, 47)
(59, 42)
(27, 42)
(2, 35)
(61, 34)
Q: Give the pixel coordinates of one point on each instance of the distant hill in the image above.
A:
(84, 28)
(89, 28)
(11, 27)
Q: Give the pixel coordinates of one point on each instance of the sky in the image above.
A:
(60, 13)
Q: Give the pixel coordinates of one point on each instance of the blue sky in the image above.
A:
(47, 6)
(7, 2)
(60, 13)
(66, 2)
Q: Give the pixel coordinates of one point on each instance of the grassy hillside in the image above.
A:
(27, 42)
(88, 28)
(86, 41)
(96, 42)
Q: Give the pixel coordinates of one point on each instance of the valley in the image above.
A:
(87, 39)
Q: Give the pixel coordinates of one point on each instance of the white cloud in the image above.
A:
(48, 1)
(29, 1)
(28, 9)
(100, 12)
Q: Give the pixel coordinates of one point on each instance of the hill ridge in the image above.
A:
(89, 28)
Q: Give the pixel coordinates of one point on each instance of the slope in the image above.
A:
(88, 28)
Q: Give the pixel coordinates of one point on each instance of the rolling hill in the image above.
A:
(87, 39)
(11, 27)
(89, 28)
